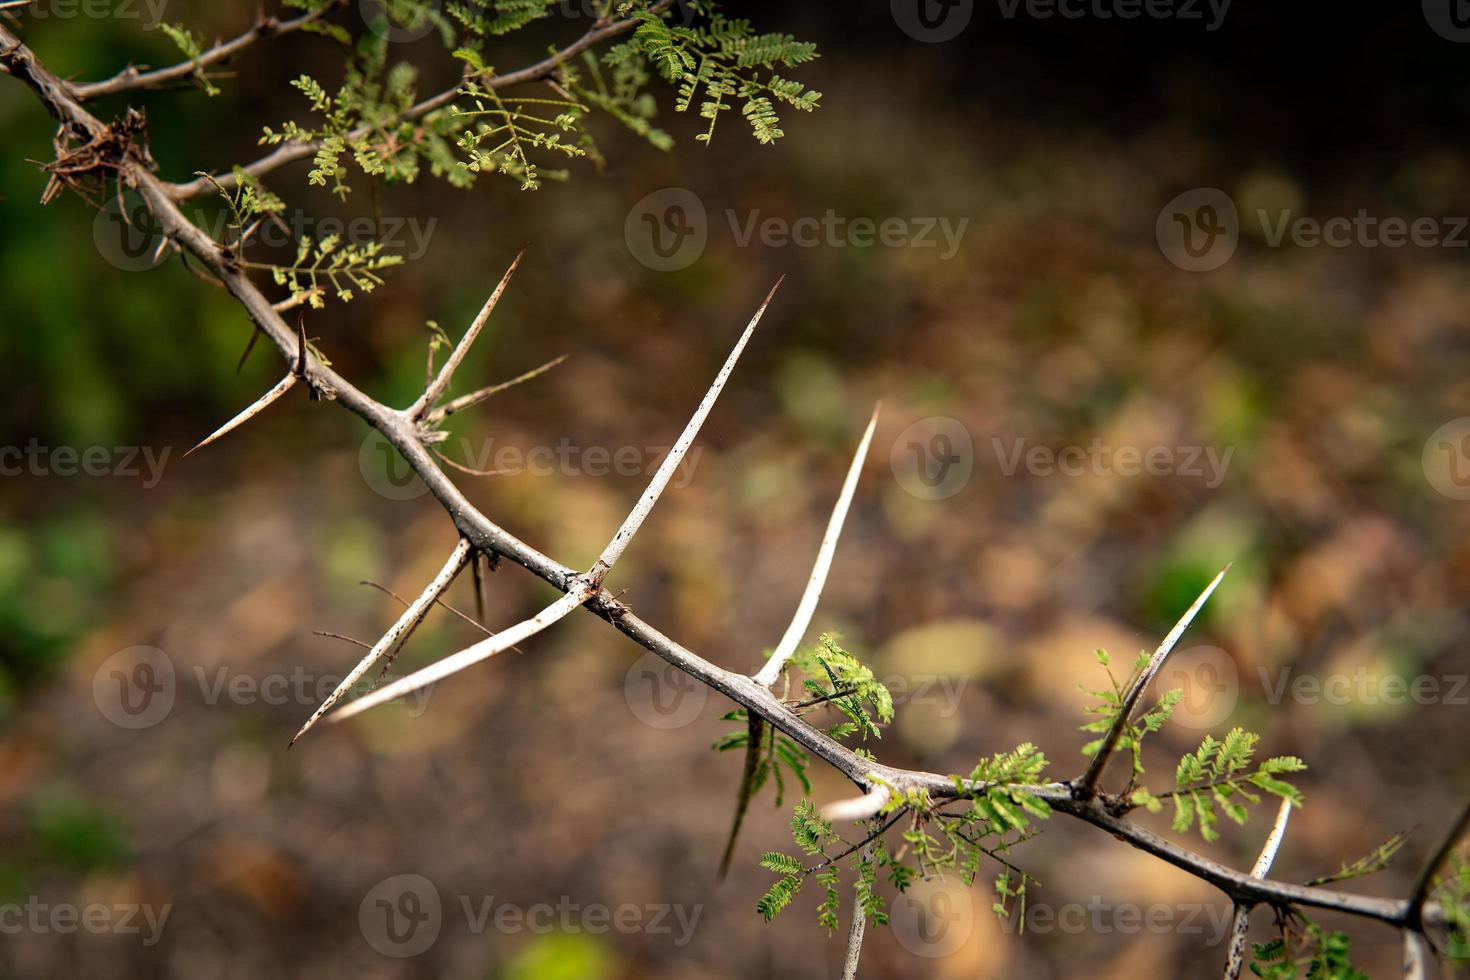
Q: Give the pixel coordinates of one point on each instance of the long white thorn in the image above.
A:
(640, 511)
(1415, 955)
(822, 567)
(1241, 925)
(256, 407)
(1094, 772)
(857, 807)
(405, 624)
(440, 384)
(1273, 841)
(469, 656)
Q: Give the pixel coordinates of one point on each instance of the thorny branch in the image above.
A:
(292, 151)
(1078, 798)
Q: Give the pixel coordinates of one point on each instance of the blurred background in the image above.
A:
(1130, 363)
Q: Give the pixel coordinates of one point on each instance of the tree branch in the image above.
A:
(131, 78)
(490, 538)
(292, 151)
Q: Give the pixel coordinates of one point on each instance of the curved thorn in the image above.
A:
(823, 565)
